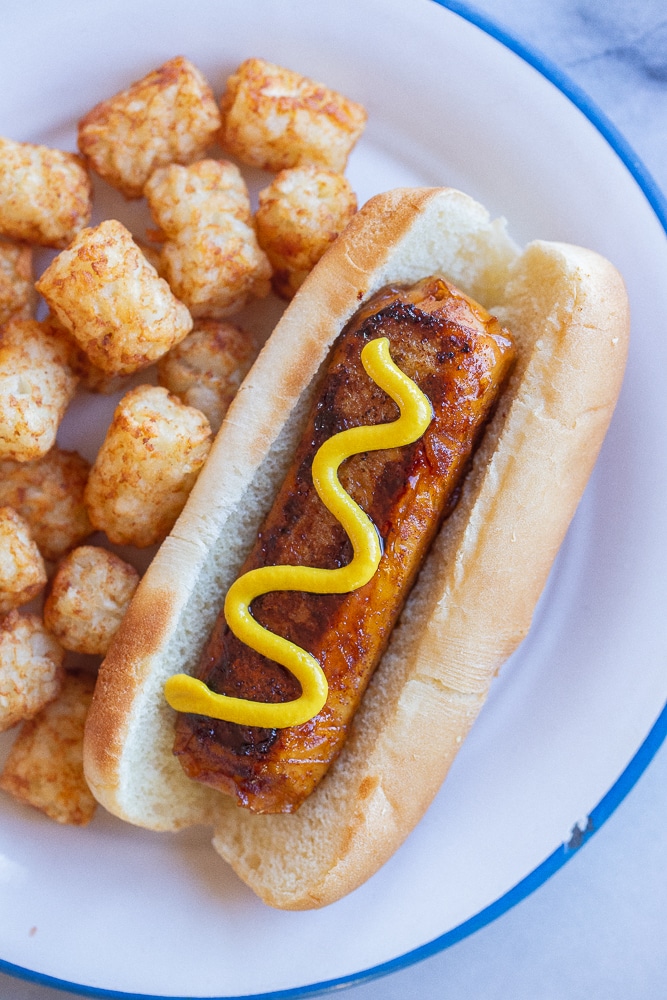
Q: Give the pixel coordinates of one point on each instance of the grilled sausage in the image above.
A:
(458, 355)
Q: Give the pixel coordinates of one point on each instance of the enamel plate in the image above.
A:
(575, 715)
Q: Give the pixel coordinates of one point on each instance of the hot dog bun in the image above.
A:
(476, 593)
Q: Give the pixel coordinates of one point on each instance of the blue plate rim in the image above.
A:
(648, 749)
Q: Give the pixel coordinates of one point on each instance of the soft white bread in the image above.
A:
(475, 595)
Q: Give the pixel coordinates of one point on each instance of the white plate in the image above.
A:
(564, 734)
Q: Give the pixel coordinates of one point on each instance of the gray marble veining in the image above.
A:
(615, 50)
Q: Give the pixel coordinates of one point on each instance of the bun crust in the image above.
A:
(476, 592)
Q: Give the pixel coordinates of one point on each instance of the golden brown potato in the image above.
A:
(146, 467)
(45, 765)
(36, 386)
(45, 194)
(274, 118)
(112, 301)
(203, 194)
(211, 259)
(169, 116)
(215, 270)
(300, 213)
(88, 597)
(22, 570)
(152, 253)
(206, 369)
(31, 668)
(16, 281)
(91, 378)
(48, 494)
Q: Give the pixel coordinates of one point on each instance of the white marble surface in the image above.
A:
(598, 929)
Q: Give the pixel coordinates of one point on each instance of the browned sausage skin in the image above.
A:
(458, 355)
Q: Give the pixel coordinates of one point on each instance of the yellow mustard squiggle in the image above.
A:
(187, 694)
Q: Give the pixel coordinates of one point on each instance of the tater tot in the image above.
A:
(22, 570)
(203, 194)
(215, 270)
(45, 194)
(169, 116)
(93, 379)
(206, 369)
(36, 386)
(112, 301)
(211, 259)
(16, 281)
(89, 595)
(274, 118)
(48, 494)
(31, 668)
(45, 765)
(146, 467)
(90, 376)
(151, 252)
(300, 213)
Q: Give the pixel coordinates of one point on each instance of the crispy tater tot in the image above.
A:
(45, 765)
(36, 386)
(22, 570)
(211, 259)
(89, 595)
(45, 194)
(31, 667)
(203, 194)
(93, 379)
(90, 376)
(48, 494)
(152, 253)
(17, 297)
(300, 213)
(215, 270)
(206, 369)
(169, 116)
(112, 301)
(274, 118)
(146, 467)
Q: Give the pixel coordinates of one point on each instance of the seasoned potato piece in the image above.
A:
(31, 668)
(152, 253)
(22, 570)
(211, 259)
(95, 380)
(206, 368)
(36, 386)
(112, 301)
(45, 194)
(16, 281)
(169, 116)
(45, 765)
(146, 467)
(48, 494)
(203, 194)
(90, 376)
(274, 118)
(216, 269)
(300, 213)
(89, 596)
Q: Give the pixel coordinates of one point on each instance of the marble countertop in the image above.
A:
(598, 928)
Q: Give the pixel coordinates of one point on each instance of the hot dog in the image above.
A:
(476, 590)
(460, 357)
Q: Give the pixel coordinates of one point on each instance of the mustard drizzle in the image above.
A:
(187, 694)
